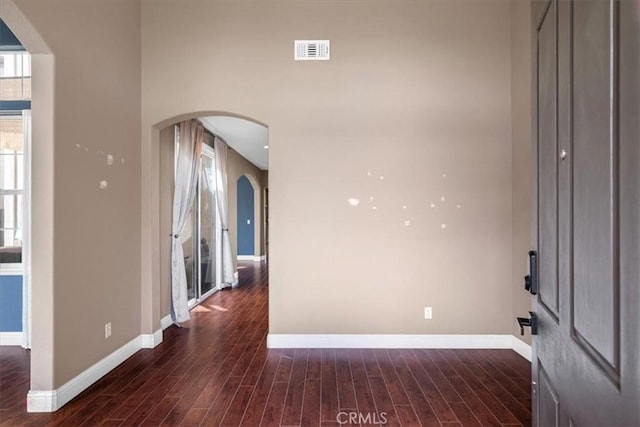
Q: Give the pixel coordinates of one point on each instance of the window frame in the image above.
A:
(10, 269)
(17, 107)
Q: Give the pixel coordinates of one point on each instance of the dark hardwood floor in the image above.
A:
(218, 371)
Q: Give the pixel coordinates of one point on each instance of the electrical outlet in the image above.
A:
(107, 330)
(428, 313)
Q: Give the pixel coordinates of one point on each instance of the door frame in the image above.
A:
(209, 152)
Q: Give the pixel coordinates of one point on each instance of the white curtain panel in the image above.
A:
(187, 170)
(220, 148)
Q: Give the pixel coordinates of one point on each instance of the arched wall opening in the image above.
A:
(246, 225)
(156, 299)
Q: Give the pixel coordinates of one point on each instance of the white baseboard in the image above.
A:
(521, 347)
(42, 401)
(398, 341)
(151, 340)
(11, 270)
(236, 280)
(387, 341)
(11, 338)
(251, 258)
(165, 322)
(52, 400)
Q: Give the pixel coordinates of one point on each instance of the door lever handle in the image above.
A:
(531, 322)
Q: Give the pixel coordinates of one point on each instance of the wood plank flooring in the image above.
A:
(218, 371)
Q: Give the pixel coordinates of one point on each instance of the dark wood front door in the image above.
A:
(586, 356)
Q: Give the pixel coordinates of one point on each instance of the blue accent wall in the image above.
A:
(15, 105)
(246, 237)
(8, 40)
(10, 303)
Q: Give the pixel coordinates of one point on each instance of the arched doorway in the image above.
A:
(245, 219)
(162, 138)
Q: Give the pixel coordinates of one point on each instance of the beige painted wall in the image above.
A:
(521, 160)
(167, 177)
(437, 101)
(94, 270)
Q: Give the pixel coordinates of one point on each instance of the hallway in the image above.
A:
(218, 371)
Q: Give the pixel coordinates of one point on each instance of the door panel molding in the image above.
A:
(547, 148)
(594, 225)
(548, 409)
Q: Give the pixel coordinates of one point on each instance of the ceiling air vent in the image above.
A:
(312, 50)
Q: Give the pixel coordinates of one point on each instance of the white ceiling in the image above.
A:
(247, 138)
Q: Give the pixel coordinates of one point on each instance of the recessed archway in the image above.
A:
(246, 219)
(153, 256)
(203, 113)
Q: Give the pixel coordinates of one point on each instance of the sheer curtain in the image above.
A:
(187, 170)
(220, 148)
